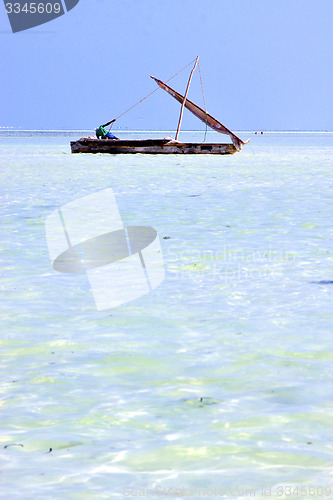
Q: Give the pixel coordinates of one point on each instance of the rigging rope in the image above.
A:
(129, 109)
(204, 100)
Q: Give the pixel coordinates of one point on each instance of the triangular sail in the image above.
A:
(202, 115)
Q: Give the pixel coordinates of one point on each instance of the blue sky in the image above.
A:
(266, 65)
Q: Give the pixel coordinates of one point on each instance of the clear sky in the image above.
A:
(266, 64)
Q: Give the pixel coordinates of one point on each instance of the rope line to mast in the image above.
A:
(129, 109)
(204, 100)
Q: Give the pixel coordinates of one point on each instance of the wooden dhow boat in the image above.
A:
(167, 145)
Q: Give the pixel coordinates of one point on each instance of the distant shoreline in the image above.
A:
(10, 131)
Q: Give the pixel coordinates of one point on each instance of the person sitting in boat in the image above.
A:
(101, 133)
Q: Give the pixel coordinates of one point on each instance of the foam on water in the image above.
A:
(219, 378)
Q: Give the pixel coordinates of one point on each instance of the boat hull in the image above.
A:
(149, 146)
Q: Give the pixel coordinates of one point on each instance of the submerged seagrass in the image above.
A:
(218, 377)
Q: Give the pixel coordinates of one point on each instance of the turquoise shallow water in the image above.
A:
(219, 380)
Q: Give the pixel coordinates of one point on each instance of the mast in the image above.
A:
(184, 100)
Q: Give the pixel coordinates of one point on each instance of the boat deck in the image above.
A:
(148, 146)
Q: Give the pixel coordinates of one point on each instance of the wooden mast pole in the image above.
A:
(185, 96)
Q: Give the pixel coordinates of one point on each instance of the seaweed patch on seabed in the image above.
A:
(322, 282)
(227, 265)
